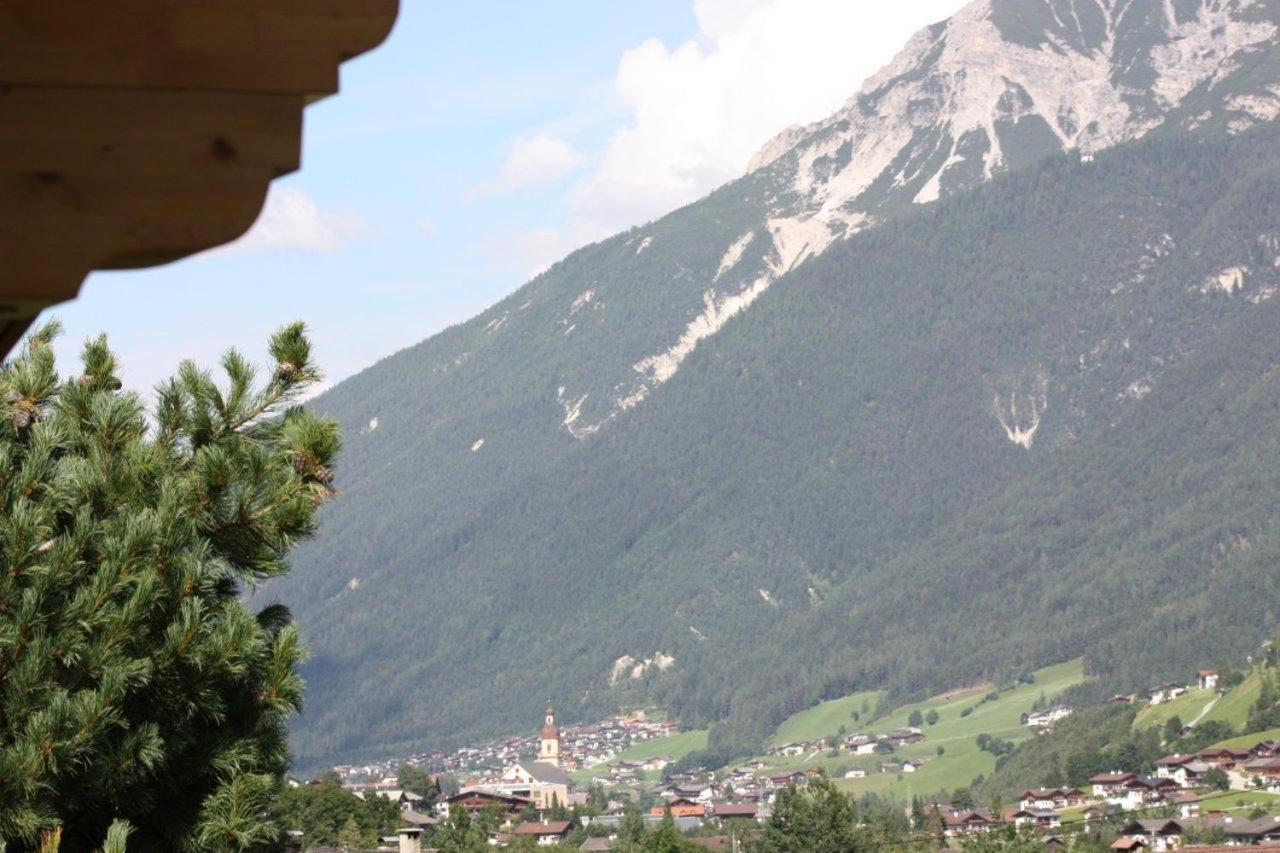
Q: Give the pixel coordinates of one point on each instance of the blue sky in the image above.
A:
(481, 142)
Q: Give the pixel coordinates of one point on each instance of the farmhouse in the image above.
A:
(1186, 770)
(735, 811)
(1040, 819)
(1159, 834)
(900, 737)
(1225, 758)
(1143, 791)
(1044, 799)
(1111, 785)
(545, 832)
(1242, 831)
(475, 800)
(967, 822)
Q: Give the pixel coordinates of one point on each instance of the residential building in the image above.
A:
(1110, 786)
(1045, 799)
(1160, 834)
(735, 811)
(680, 807)
(967, 822)
(547, 833)
(474, 800)
(1037, 818)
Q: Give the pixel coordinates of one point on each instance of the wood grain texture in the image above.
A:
(138, 132)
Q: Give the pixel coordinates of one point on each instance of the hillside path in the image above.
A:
(1206, 709)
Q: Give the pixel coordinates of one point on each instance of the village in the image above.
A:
(562, 780)
(581, 747)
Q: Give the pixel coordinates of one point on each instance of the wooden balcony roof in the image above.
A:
(137, 132)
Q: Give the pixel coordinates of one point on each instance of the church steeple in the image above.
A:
(549, 740)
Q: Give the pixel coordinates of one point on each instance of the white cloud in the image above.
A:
(292, 222)
(527, 252)
(427, 229)
(699, 110)
(532, 161)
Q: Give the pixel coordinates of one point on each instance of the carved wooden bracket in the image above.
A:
(137, 132)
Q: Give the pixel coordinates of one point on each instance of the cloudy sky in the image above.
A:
(482, 142)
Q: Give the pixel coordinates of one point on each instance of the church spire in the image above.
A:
(549, 740)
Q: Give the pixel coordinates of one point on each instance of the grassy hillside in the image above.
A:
(675, 747)
(1099, 738)
(1249, 740)
(1233, 709)
(1186, 708)
(955, 732)
(827, 718)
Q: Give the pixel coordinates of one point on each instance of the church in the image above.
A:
(543, 781)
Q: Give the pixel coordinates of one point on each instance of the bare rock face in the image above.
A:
(1002, 84)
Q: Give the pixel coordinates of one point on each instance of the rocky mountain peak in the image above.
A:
(1000, 85)
(1004, 81)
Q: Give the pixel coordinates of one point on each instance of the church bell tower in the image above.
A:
(549, 740)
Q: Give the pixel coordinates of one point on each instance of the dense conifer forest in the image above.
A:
(826, 495)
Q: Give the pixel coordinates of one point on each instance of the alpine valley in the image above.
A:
(979, 374)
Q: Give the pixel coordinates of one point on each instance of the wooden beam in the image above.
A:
(137, 132)
(278, 46)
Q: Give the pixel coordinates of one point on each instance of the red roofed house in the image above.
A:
(680, 807)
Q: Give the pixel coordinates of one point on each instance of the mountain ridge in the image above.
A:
(509, 532)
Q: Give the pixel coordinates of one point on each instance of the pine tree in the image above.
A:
(349, 838)
(135, 683)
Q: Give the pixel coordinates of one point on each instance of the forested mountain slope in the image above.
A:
(1029, 421)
